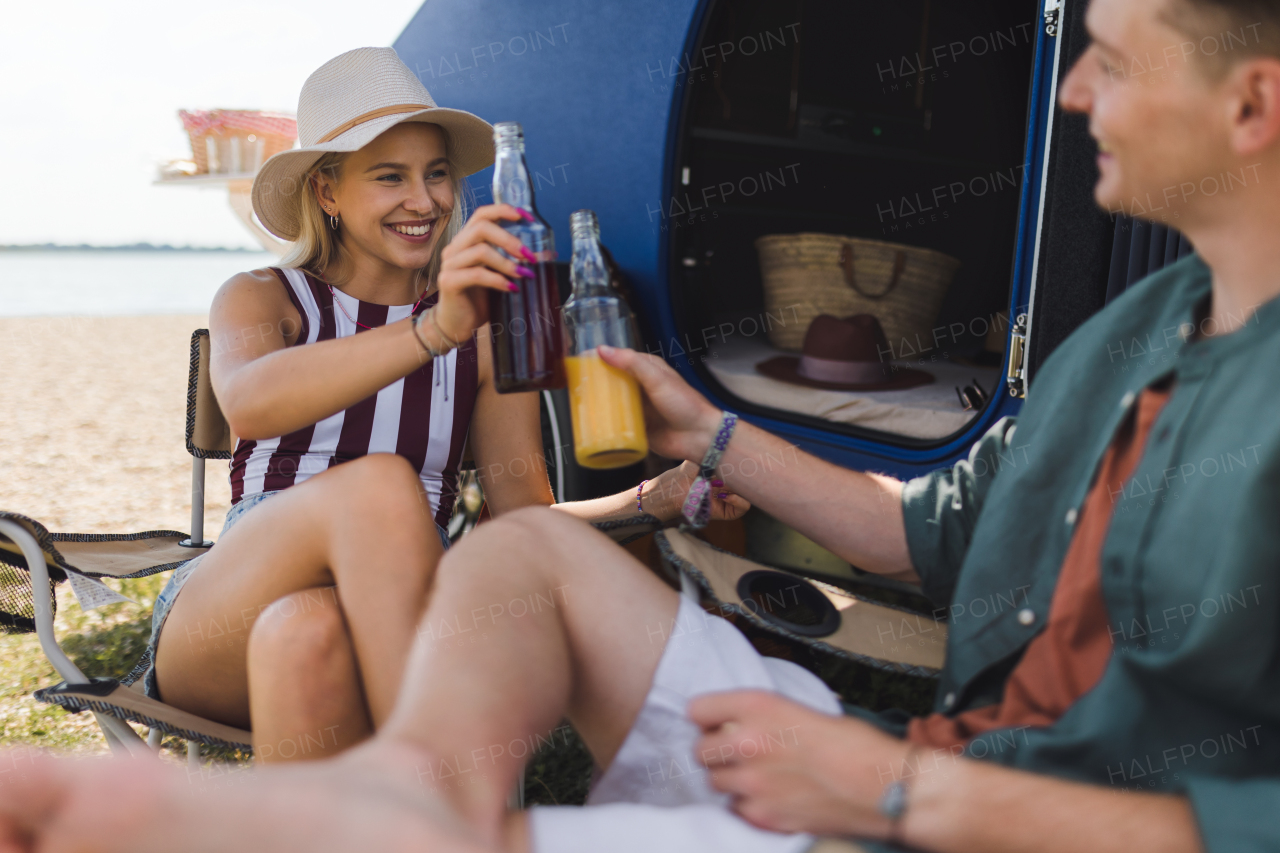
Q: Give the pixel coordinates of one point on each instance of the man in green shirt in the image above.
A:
(1185, 708)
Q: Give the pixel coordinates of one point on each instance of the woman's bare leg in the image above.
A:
(364, 527)
(306, 699)
(534, 617)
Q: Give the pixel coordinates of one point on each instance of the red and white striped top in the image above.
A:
(423, 417)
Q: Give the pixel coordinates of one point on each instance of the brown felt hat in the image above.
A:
(850, 354)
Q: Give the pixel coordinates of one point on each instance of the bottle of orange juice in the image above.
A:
(604, 402)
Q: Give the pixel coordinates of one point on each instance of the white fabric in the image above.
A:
(655, 795)
(637, 828)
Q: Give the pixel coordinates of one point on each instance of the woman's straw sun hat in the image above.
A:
(344, 105)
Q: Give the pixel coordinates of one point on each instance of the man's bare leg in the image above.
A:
(534, 618)
(140, 805)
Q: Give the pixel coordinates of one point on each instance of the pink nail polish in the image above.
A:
(512, 286)
(526, 215)
(528, 256)
(717, 482)
(723, 495)
(524, 272)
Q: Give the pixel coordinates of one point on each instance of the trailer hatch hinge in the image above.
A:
(1016, 377)
(1052, 16)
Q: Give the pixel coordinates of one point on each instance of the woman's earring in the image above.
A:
(333, 222)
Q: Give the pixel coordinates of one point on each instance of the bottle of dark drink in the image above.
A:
(528, 352)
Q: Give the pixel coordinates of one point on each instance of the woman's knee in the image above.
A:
(302, 632)
(381, 469)
(384, 484)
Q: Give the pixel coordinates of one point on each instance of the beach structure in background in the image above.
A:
(227, 149)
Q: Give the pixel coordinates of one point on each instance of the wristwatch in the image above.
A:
(893, 805)
(893, 802)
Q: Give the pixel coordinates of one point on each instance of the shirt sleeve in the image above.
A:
(941, 509)
(1236, 815)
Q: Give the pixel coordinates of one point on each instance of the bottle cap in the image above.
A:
(508, 133)
(583, 223)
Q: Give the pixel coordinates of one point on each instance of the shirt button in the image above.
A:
(949, 701)
(1072, 515)
(1127, 400)
(1026, 616)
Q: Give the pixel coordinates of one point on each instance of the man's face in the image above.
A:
(1151, 108)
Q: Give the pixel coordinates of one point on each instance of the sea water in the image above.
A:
(99, 283)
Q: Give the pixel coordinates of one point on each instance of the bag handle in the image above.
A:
(846, 264)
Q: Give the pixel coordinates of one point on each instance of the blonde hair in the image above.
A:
(317, 249)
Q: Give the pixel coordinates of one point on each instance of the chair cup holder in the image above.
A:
(789, 602)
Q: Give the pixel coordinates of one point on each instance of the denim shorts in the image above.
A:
(164, 601)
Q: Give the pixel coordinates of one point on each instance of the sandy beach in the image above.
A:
(92, 429)
(92, 441)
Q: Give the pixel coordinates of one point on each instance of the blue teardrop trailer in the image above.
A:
(694, 127)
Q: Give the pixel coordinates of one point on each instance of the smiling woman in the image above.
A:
(352, 379)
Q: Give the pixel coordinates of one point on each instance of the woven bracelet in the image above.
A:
(697, 503)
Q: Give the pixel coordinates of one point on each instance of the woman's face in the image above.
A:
(394, 196)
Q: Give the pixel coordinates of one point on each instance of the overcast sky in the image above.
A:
(89, 94)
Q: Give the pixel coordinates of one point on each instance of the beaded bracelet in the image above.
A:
(639, 488)
(697, 503)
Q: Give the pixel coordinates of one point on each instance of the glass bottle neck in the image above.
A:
(588, 273)
(511, 184)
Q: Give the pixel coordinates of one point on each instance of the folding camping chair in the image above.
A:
(33, 561)
(781, 602)
(804, 611)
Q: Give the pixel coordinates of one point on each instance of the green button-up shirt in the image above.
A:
(1190, 701)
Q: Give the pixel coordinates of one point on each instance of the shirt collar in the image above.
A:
(1260, 325)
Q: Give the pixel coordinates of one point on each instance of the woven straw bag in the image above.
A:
(810, 274)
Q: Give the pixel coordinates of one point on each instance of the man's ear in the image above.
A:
(1255, 119)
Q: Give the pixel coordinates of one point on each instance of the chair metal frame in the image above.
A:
(121, 738)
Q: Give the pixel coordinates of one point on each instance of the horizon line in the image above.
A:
(122, 247)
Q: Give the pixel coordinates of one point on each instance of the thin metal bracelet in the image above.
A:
(417, 332)
(439, 331)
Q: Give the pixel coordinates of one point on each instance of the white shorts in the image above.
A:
(655, 795)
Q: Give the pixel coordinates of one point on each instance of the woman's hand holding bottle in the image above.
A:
(471, 265)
